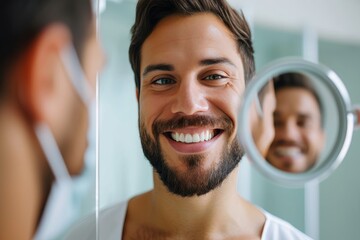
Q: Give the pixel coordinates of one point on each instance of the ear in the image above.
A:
(42, 64)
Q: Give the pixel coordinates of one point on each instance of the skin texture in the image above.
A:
(40, 91)
(189, 88)
(299, 137)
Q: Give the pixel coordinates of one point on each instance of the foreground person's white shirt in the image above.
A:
(111, 221)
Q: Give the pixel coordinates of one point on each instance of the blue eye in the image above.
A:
(213, 77)
(163, 81)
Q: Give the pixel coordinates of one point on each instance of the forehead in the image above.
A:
(295, 101)
(186, 38)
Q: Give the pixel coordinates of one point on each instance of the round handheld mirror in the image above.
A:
(296, 121)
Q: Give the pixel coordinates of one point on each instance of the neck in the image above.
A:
(188, 209)
(218, 214)
(23, 165)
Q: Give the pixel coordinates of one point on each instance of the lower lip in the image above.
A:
(288, 159)
(192, 148)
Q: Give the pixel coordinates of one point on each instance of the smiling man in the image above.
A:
(191, 60)
(188, 106)
(299, 134)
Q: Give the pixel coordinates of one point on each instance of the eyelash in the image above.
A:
(169, 81)
(299, 123)
(217, 77)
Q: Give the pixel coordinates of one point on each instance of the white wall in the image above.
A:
(332, 19)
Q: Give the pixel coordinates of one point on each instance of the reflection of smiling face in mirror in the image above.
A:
(299, 134)
(190, 93)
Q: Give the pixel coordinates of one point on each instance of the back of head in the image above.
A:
(150, 12)
(21, 21)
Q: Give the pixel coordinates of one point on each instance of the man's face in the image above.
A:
(74, 141)
(299, 136)
(192, 80)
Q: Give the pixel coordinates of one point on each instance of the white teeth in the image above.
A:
(181, 138)
(202, 137)
(188, 138)
(288, 151)
(193, 138)
(207, 136)
(196, 138)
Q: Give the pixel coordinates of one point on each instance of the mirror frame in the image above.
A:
(346, 121)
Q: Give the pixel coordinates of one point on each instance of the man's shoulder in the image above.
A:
(276, 228)
(110, 223)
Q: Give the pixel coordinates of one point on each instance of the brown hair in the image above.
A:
(150, 12)
(21, 21)
(298, 80)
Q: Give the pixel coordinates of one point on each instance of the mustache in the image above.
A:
(161, 126)
(288, 143)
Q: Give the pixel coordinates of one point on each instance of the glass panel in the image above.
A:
(123, 170)
(339, 197)
(286, 203)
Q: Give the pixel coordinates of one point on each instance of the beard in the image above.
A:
(195, 180)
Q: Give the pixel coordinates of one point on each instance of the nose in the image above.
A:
(190, 98)
(289, 131)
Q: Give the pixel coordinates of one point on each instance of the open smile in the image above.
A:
(192, 140)
(288, 152)
(202, 136)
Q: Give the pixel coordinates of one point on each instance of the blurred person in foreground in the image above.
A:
(49, 58)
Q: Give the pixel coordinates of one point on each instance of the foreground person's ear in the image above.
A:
(39, 90)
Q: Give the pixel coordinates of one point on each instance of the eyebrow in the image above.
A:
(213, 61)
(305, 116)
(156, 67)
(302, 116)
(169, 67)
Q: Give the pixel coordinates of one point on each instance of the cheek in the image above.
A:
(149, 111)
(277, 133)
(316, 141)
(269, 130)
(143, 116)
(229, 103)
(311, 142)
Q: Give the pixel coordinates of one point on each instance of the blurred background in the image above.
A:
(326, 31)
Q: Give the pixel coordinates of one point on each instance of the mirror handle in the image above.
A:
(356, 112)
